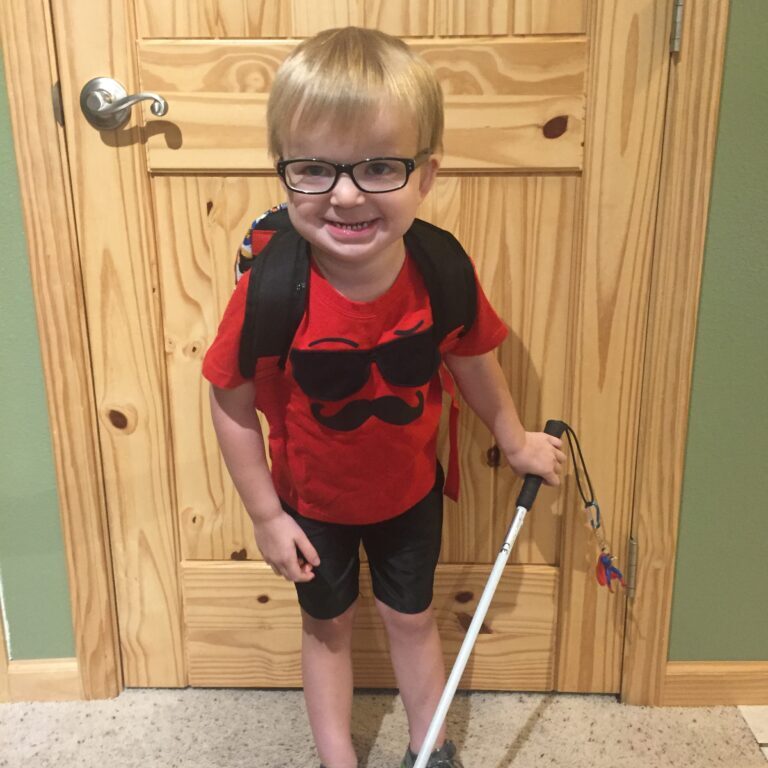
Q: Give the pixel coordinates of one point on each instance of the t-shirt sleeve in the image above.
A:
(486, 333)
(221, 363)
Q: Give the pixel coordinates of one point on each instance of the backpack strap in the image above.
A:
(448, 274)
(449, 278)
(275, 301)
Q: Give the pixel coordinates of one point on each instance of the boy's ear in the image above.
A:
(428, 174)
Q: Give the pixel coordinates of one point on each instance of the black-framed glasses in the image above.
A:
(374, 175)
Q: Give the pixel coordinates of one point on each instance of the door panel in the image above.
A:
(510, 103)
(116, 238)
(242, 629)
(627, 91)
(554, 111)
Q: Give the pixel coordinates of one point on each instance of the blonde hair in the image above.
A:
(348, 74)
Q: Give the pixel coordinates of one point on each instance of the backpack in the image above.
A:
(277, 291)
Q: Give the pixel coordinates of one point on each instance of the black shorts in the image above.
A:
(402, 556)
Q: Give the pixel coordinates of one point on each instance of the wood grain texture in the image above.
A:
(519, 230)
(691, 132)
(510, 103)
(458, 18)
(627, 82)
(532, 17)
(120, 284)
(253, 18)
(402, 18)
(46, 200)
(45, 680)
(714, 683)
(301, 18)
(222, 19)
(515, 649)
(244, 627)
(309, 17)
(203, 220)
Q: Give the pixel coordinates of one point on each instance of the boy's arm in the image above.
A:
(482, 384)
(242, 446)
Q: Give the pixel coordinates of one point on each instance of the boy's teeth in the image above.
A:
(359, 225)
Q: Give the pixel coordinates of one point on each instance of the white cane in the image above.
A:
(524, 502)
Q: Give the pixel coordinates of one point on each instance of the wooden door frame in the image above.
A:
(44, 174)
(49, 224)
(690, 135)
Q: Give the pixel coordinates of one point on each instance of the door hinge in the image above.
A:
(677, 26)
(58, 111)
(631, 567)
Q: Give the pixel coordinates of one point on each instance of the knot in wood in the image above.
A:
(555, 127)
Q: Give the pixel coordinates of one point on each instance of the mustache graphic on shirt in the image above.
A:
(392, 410)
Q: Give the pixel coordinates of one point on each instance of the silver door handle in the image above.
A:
(107, 105)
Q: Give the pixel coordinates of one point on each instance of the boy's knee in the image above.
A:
(330, 630)
(406, 624)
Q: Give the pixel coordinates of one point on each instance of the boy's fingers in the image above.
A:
(294, 571)
(305, 550)
(301, 574)
(301, 566)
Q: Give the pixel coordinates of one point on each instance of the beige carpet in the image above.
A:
(268, 729)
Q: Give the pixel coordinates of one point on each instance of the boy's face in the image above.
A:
(347, 225)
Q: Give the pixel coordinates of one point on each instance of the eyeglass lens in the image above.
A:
(381, 175)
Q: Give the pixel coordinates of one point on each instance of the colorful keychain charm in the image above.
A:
(605, 570)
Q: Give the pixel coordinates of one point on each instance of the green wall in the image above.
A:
(721, 588)
(720, 608)
(33, 577)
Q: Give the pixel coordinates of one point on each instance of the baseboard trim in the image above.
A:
(45, 680)
(687, 683)
(713, 683)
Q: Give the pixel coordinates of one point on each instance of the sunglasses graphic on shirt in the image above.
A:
(337, 374)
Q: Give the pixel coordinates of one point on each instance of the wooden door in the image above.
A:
(554, 116)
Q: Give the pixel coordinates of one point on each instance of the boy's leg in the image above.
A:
(326, 658)
(417, 658)
(402, 555)
(327, 612)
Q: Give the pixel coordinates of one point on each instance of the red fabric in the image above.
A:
(377, 470)
(451, 486)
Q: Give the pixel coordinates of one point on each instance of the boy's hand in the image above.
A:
(286, 548)
(540, 455)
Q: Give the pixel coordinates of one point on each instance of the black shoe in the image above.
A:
(445, 757)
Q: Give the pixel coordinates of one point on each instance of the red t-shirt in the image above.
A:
(353, 424)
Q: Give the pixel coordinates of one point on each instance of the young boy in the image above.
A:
(355, 121)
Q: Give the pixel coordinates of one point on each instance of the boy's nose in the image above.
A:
(345, 192)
